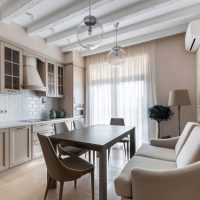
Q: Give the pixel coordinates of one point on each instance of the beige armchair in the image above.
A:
(165, 169)
(175, 184)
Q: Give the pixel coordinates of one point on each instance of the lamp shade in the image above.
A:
(179, 98)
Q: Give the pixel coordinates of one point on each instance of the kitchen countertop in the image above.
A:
(11, 124)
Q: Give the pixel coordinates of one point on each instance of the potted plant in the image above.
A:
(160, 113)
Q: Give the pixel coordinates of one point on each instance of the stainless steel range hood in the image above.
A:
(31, 77)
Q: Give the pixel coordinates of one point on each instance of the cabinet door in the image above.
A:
(60, 81)
(37, 151)
(78, 85)
(11, 68)
(20, 145)
(4, 149)
(51, 78)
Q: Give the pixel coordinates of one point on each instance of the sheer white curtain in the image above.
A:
(125, 91)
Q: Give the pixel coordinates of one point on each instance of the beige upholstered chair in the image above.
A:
(78, 124)
(61, 127)
(62, 170)
(125, 141)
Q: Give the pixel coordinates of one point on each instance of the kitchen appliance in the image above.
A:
(79, 111)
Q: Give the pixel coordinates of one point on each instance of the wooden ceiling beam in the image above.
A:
(64, 15)
(17, 8)
(183, 15)
(140, 39)
(131, 11)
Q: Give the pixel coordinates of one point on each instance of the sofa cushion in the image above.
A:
(123, 181)
(184, 136)
(190, 151)
(161, 153)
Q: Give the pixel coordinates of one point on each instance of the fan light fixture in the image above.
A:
(89, 32)
(117, 55)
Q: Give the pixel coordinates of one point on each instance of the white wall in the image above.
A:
(175, 69)
(16, 34)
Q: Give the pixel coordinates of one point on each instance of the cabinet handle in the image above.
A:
(18, 128)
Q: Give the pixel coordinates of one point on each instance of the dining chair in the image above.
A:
(67, 150)
(63, 170)
(125, 141)
(78, 124)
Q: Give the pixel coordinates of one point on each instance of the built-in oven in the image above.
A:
(79, 111)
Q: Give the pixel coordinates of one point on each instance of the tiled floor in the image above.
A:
(28, 181)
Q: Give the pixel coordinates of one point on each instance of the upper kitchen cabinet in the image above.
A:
(51, 78)
(74, 100)
(11, 68)
(55, 79)
(60, 81)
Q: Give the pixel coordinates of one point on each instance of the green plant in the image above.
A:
(160, 113)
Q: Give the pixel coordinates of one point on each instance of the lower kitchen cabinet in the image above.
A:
(20, 145)
(44, 129)
(4, 149)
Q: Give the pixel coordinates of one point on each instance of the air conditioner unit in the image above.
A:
(192, 37)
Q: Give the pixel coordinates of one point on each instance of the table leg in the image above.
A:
(132, 143)
(53, 183)
(102, 174)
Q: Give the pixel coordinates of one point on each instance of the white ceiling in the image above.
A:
(140, 20)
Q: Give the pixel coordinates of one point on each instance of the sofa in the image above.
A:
(165, 169)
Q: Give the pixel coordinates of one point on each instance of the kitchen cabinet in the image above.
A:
(11, 68)
(4, 149)
(51, 78)
(55, 79)
(20, 145)
(44, 129)
(74, 90)
(60, 80)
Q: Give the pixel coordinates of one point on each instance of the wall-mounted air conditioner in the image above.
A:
(192, 37)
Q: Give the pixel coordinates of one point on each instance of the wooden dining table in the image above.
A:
(98, 138)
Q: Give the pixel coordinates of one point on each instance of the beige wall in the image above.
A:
(175, 69)
(198, 85)
(16, 34)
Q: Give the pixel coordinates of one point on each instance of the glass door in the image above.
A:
(60, 81)
(51, 79)
(12, 68)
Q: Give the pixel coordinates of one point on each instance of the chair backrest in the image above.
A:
(78, 124)
(184, 136)
(55, 168)
(117, 121)
(60, 127)
(190, 152)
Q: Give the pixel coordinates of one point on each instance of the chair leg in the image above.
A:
(128, 151)
(89, 154)
(61, 190)
(109, 153)
(47, 187)
(75, 183)
(92, 184)
(124, 148)
(94, 157)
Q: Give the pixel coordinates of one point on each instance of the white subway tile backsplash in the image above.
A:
(26, 105)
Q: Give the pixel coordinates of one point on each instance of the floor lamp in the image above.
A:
(179, 98)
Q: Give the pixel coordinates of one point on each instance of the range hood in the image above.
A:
(31, 77)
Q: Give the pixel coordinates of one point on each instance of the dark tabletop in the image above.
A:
(93, 137)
